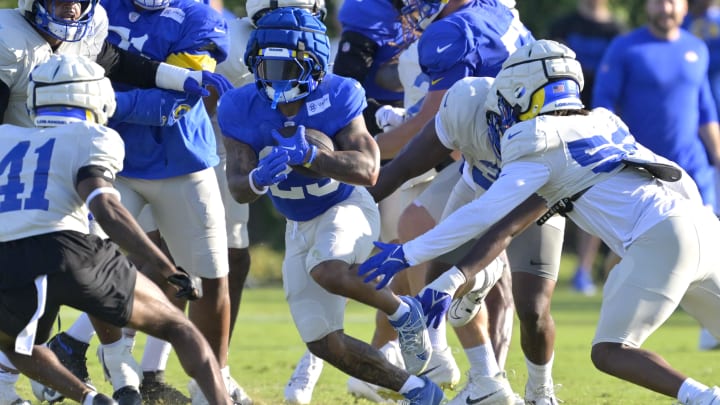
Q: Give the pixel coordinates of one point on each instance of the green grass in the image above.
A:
(266, 347)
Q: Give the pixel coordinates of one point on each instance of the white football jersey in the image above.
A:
(38, 168)
(415, 83)
(22, 48)
(233, 68)
(558, 157)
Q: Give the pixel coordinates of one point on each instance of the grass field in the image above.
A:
(266, 347)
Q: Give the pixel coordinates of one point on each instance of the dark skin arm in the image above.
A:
(241, 160)
(355, 161)
(498, 237)
(122, 228)
(422, 153)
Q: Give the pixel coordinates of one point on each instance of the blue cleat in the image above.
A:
(428, 394)
(413, 337)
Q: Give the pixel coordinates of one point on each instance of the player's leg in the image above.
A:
(194, 231)
(534, 257)
(681, 253)
(236, 224)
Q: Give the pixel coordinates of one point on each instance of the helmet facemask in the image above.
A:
(421, 13)
(285, 75)
(46, 16)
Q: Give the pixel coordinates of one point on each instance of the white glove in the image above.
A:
(389, 117)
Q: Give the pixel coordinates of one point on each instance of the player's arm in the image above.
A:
(357, 158)
(422, 153)
(103, 200)
(391, 142)
(241, 160)
(129, 68)
(498, 237)
(152, 107)
(709, 130)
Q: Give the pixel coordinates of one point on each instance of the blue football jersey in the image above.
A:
(186, 34)
(473, 41)
(245, 115)
(379, 21)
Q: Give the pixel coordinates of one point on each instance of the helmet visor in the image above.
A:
(281, 64)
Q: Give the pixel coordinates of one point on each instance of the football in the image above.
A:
(314, 137)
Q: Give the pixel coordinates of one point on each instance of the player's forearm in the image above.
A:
(350, 167)
(240, 189)
(391, 142)
(710, 135)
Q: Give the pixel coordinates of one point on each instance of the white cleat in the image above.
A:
(463, 309)
(299, 388)
(373, 393)
(710, 396)
(237, 393)
(443, 369)
(481, 390)
(542, 395)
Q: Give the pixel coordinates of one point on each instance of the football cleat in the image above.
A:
(428, 394)
(413, 337)
(483, 390)
(128, 396)
(463, 309)
(71, 353)
(443, 369)
(542, 395)
(155, 390)
(299, 388)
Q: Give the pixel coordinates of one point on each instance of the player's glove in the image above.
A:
(435, 304)
(197, 82)
(270, 169)
(388, 262)
(185, 285)
(388, 117)
(296, 145)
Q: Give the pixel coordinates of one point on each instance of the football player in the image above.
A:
(557, 158)
(331, 220)
(48, 258)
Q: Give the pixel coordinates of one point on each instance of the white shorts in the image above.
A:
(236, 214)
(188, 211)
(435, 196)
(676, 262)
(393, 205)
(346, 233)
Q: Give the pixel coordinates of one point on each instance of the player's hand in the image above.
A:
(296, 145)
(385, 264)
(271, 169)
(185, 285)
(388, 117)
(435, 304)
(198, 81)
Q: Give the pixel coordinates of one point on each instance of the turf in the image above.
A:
(265, 348)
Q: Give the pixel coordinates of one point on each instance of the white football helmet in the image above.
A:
(540, 77)
(67, 89)
(41, 14)
(256, 8)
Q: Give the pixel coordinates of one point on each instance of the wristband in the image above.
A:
(258, 191)
(101, 190)
(313, 154)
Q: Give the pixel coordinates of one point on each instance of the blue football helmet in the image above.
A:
(155, 4)
(288, 53)
(46, 17)
(421, 13)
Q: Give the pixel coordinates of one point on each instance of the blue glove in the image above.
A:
(296, 146)
(435, 304)
(195, 87)
(270, 169)
(388, 262)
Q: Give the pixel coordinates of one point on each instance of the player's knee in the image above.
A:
(414, 221)
(601, 355)
(326, 274)
(329, 347)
